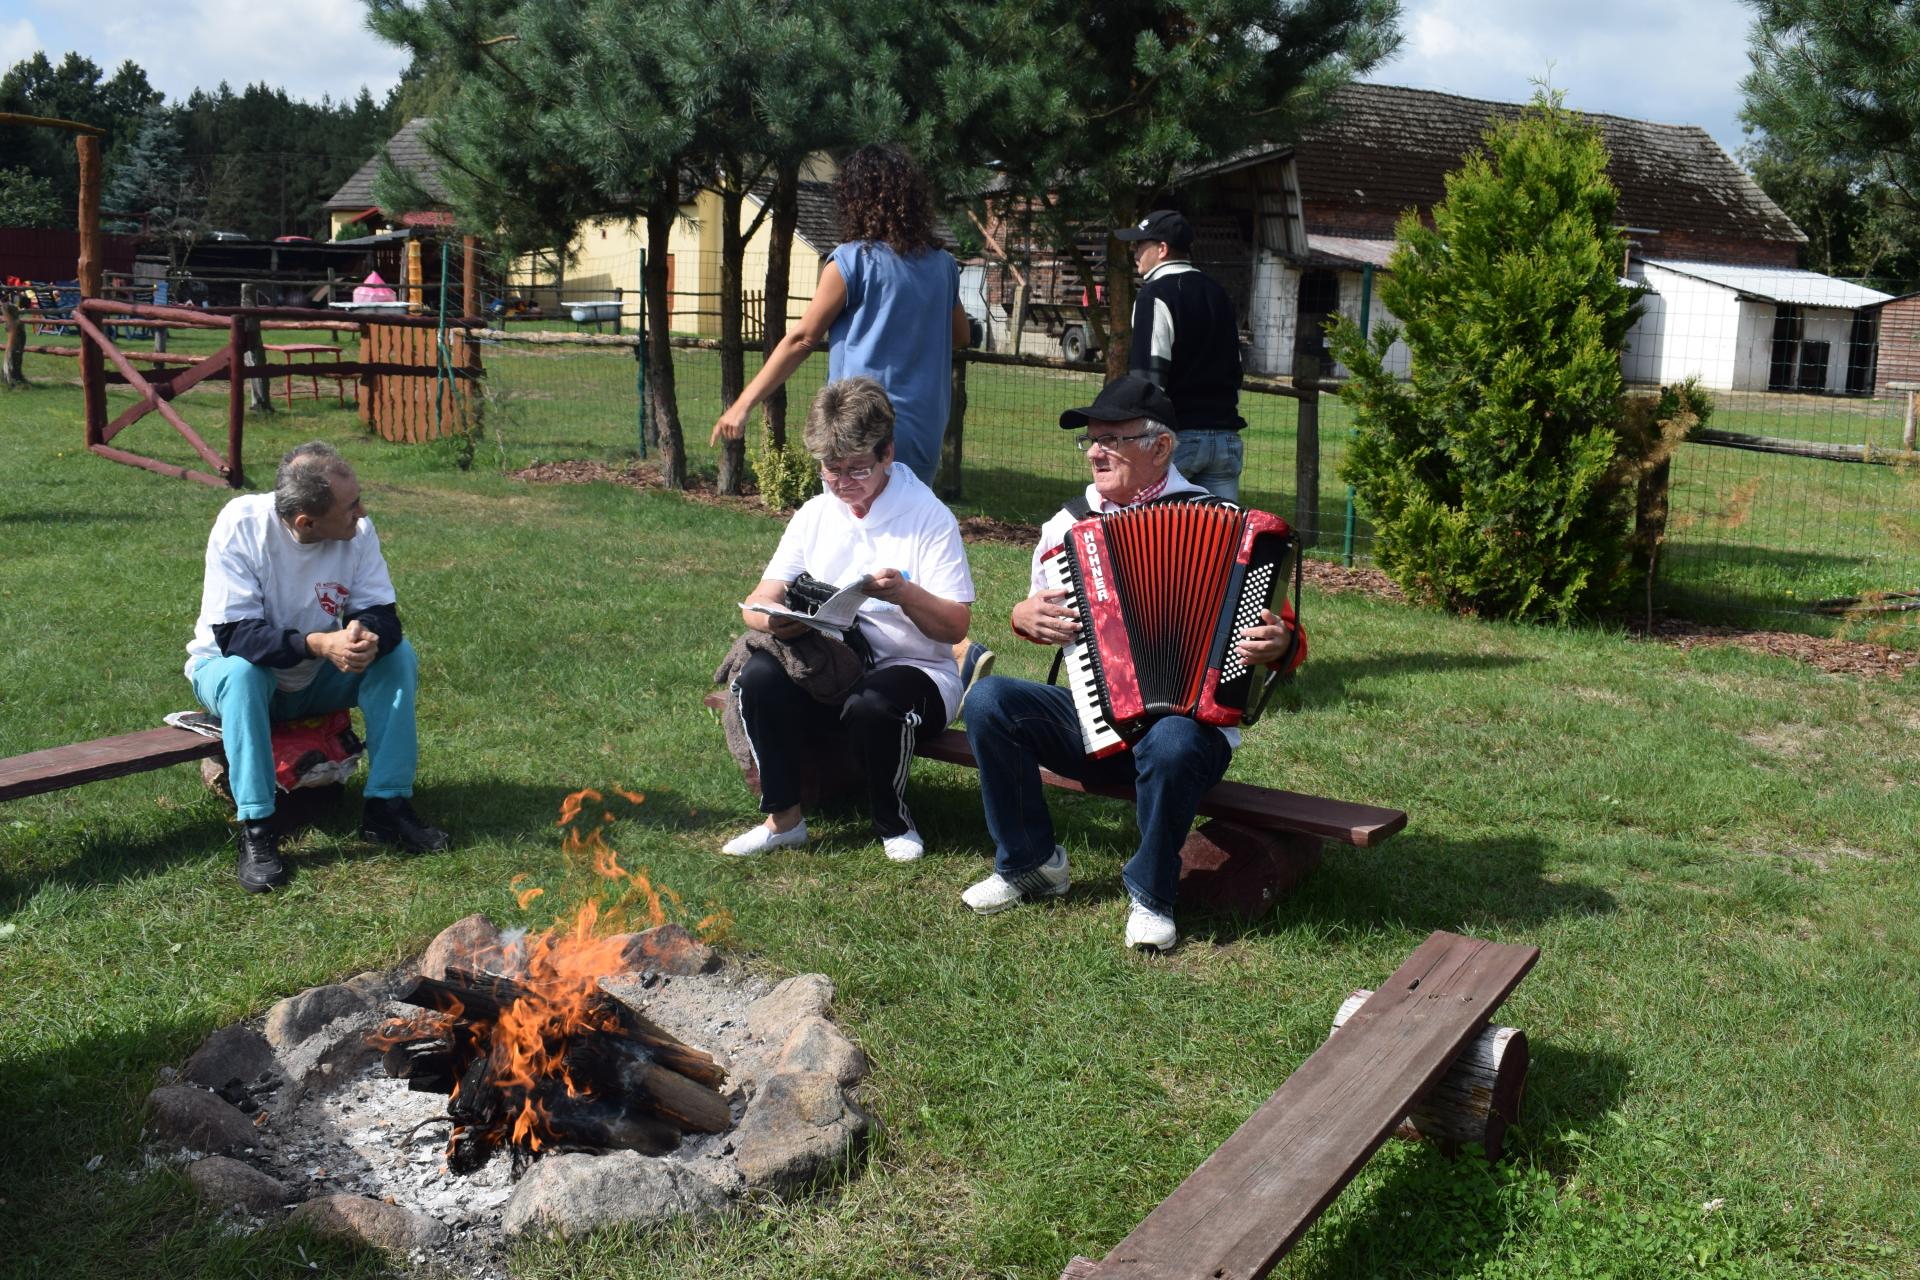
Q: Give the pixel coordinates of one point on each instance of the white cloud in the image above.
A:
(309, 49)
(18, 40)
(1647, 59)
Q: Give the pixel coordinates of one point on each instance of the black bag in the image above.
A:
(806, 593)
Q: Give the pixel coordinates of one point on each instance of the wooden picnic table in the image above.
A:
(315, 352)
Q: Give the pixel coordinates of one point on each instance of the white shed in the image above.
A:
(1740, 328)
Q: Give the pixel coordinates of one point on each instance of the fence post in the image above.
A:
(259, 381)
(1306, 450)
(951, 454)
(619, 304)
(1650, 522)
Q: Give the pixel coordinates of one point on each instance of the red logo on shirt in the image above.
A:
(333, 598)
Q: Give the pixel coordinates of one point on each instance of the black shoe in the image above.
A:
(260, 867)
(392, 820)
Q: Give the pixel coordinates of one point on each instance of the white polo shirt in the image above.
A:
(255, 569)
(907, 528)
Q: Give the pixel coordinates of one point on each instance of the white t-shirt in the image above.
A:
(255, 569)
(907, 528)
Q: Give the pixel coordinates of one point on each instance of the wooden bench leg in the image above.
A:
(1237, 870)
(1478, 1097)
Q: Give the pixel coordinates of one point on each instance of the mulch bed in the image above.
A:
(1833, 655)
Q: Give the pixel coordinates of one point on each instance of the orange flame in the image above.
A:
(558, 991)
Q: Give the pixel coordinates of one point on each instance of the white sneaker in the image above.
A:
(998, 892)
(905, 847)
(762, 838)
(1148, 930)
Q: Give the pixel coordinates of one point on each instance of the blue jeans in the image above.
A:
(247, 701)
(1211, 459)
(1018, 727)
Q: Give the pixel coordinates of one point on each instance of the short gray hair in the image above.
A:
(303, 486)
(850, 416)
(1152, 431)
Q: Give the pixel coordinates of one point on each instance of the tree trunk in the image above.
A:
(665, 405)
(733, 358)
(785, 217)
(12, 370)
(1119, 306)
(259, 383)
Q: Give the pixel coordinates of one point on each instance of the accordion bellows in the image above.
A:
(1162, 591)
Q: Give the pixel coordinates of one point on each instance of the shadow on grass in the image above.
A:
(497, 812)
(79, 1201)
(1420, 882)
(1329, 681)
(1433, 1216)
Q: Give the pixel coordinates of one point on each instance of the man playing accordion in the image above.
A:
(1019, 726)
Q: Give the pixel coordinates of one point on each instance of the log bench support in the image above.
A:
(1420, 1046)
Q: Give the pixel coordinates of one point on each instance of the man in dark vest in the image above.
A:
(1186, 341)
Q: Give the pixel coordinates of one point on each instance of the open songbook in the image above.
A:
(834, 614)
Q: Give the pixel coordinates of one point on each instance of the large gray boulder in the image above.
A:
(297, 1017)
(800, 1128)
(200, 1121)
(570, 1195)
(772, 1016)
(360, 1220)
(226, 1183)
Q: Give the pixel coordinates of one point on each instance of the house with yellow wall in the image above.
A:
(603, 263)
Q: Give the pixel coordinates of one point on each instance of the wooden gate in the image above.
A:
(404, 394)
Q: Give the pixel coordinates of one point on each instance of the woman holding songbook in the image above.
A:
(877, 527)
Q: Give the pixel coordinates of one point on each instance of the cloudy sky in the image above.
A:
(1677, 63)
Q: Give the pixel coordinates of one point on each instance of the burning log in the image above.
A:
(531, 1066)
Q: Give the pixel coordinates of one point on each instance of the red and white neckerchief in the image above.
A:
(1147, 494)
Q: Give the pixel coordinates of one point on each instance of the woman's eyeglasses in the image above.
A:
(845, 475)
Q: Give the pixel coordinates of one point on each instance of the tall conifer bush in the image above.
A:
(1495, 477)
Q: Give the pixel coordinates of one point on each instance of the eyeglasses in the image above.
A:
(849, 474)
(1110, 443)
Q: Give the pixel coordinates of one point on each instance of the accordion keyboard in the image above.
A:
(1080, 659)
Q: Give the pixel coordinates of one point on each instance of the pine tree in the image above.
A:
(1840, 79)
(148, 177)
(1495, 478)
(27, 201)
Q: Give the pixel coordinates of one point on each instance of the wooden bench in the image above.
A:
(1262, 840)
(69, 766)
(1251, 1200)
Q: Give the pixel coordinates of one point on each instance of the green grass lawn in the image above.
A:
(1713, 850)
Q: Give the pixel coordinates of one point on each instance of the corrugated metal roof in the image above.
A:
(1341, 250)
(1777, 284)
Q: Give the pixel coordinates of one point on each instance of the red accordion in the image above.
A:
(1162, 591)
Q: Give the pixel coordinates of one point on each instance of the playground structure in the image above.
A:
(397, 357)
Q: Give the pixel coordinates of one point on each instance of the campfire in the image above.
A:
(533, 1055)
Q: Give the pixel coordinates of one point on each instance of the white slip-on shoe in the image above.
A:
(998, 892)
(1148, 930)
(762, 838)
(905, 847)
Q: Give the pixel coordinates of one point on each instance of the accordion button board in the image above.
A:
(1162, 591)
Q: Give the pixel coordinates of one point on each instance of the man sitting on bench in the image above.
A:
(1018, 726)
(297, 619)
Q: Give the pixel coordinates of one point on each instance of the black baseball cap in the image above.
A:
(1162, 224)
(1122, 400)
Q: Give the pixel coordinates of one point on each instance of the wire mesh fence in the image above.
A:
(1765, 538)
